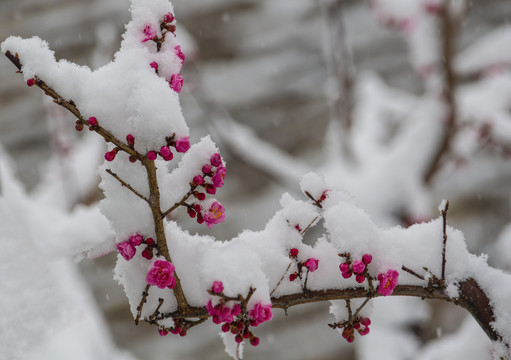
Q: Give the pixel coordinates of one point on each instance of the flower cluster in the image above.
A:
(358, 267)
(127, 248)
(179, 327)
(360, 324)
(311, 264)
(161, 274)
(149, 32)
(235, 317)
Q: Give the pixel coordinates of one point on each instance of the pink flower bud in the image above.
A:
(293, 252)
(179, 53)
(238, 338)
(149, 241)
(132, 159)
(169, 18)
(198, 180)
(200, 196)
(344, 267)
(110, 155)
(360, 278)
(130, 139)
(293, 277)
(136, 239)
(149, 33)
(163, 332)
(210, 189)
(154, 65)
(236, 309)
(254, 341)
(127, 250)
(365, 321)
(191, 213)
(226, 327)
(347, 274)
(217, 287)
(206, 169)
(30, 82)
(176, 83)
(92, 121)
(366, 259)
(151, 155)
(183, 144)
(147, 253)
(216, 160)
(165, 151)
(358, 267)
(312, 264)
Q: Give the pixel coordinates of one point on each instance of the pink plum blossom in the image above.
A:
(388, 282)
(169, 18)
(216, 160)
(149, 33)
(215, 214)
(126, 249)
(312, 264)
(176, 82)
(183, 144)
(261, 313)
(198, 180)
(366, 259)
(136, 239)
(92, 121)
(217, 287)
(161, 275)
(179, 53)
(218, 178)
(219, 312)
(358, 267)
(151, 155)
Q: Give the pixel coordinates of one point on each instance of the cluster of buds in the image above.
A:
(357, 267)
(213, 215)
(235, 317)
(360, 324)
(311, 264)
(178, 328)
(149, 32)
(92, 121)
(127, 248)
(211, 178)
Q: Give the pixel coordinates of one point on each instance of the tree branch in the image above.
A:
(125, 184)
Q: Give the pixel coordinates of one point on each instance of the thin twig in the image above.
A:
(125, 184)
(145, 294)
(306, 278)
(282, 278)
(309, 226)
(410, 271)
(361, 306)
(180, 203)
(316, 202)
(348, 306)
(444, 244)
(157, 311)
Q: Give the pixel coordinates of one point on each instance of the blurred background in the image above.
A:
(272, 81)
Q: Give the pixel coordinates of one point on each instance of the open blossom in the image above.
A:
(179, 53)
(149, 33)
(182, 144)
(218, 178)
(312, 264)
(161, 274)
(220, 313)
(215, 214)
(176, 82)
(261, 313)
(126, 249)
(388, 282)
